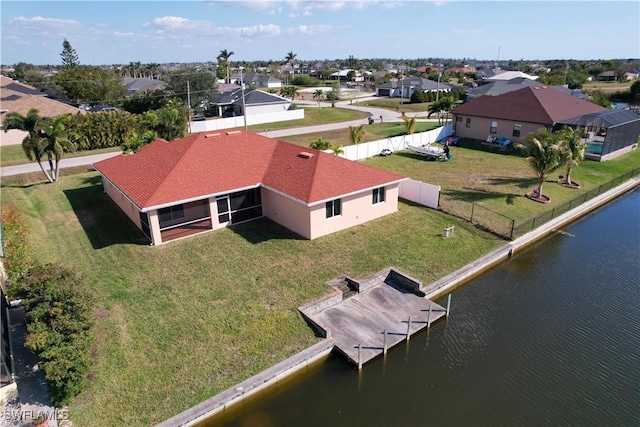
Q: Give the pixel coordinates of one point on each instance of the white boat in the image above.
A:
(431, 151)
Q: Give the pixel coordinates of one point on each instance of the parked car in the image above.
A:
(386, 152)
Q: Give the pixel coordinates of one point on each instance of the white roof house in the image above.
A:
(508, 75)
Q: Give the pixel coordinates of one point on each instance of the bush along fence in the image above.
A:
(506, 227)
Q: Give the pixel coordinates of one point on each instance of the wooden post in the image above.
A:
(384, 343)
(448, 304)
(429, 318)
(409, 329)
(360, 356)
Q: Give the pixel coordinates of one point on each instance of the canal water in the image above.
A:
(550, 337)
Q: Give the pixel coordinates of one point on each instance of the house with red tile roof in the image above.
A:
(211, 180)
(516, 114)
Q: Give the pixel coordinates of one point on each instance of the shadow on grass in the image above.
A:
(475, 195)
(524, 183)
(412, 155)
(262, 230)
(102, 220)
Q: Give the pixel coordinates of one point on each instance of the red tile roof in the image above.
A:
(542, 105)
(209, 163)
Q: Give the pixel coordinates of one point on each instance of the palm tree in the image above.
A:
(137, 141)
(337, 150)
(290, 59)
(545, 156)
(169, 123)
(56, 142)
(574, 149)
(320, 144)
(289, 92)
(318, 95)
(409, 124)
(32, 145)
(356, 133)
(224, 59)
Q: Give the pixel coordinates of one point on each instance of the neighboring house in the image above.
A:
(607, 76)
(343, 75)
(257, 80)
(405, 87)
(142, 84)
(102, 108)
(632, 75)
(229, 104)
(211, 180)
(20, 98)
(499, 87)
(516, 114)
(508, 75)
(485, 73)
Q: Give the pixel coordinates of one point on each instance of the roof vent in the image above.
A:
(233, 132)
(212, 135)
(305, 155)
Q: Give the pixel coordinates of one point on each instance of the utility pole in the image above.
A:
(188, 107)
(244, 111)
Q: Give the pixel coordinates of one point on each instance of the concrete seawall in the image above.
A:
(295, 363)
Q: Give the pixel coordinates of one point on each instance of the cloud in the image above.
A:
(43, 27)
(179, 26)
(40, 20)
(309, 29)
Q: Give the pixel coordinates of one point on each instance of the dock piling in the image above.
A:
(448, 304)
(384, 343)
(429, 318)
(360, 356)
(409, 329)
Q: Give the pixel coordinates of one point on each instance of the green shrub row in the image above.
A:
(419, 96)
(18, 252)
(59, 310)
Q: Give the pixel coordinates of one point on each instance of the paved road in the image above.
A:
(387, 116)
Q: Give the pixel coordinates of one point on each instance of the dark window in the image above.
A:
(468, 124)
(333, 208)
(378, 195)
(516, 130)
(171, 213)
(494, 127)
(144, 224)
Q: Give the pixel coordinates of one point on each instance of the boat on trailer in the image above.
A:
(431, 151)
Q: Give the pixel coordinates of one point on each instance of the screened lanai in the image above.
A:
(608, 133)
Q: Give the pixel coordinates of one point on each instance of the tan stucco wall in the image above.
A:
(356, 209)
(122, 201)
(286, 212)
(480, 128)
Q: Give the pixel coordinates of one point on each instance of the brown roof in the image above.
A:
(20, 98)
(211, 163)
(543, 105)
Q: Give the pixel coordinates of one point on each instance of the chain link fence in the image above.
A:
(505, 226)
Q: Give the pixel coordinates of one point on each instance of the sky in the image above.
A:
(119, 32)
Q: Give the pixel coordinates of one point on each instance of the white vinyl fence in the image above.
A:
(420, 192)
(252, 119)
(395, 143)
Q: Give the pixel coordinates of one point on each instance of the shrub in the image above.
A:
(59, 321)
(19, 253)
(418, 97)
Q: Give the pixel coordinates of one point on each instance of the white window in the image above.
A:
(494, 127)
(378, 195)
(333, 208)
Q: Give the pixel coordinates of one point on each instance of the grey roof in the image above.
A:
(418, 83)
(251, 78)
(498, 87)
(251, 97)
(604, 119)
(141, 84)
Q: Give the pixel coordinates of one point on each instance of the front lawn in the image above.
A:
(313, 116)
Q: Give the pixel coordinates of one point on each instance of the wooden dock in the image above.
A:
(361, 318)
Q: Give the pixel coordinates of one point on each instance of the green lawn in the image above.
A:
(181, 322)
(395, 105)
(13, 154)
(313, 116)
(372, 132)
